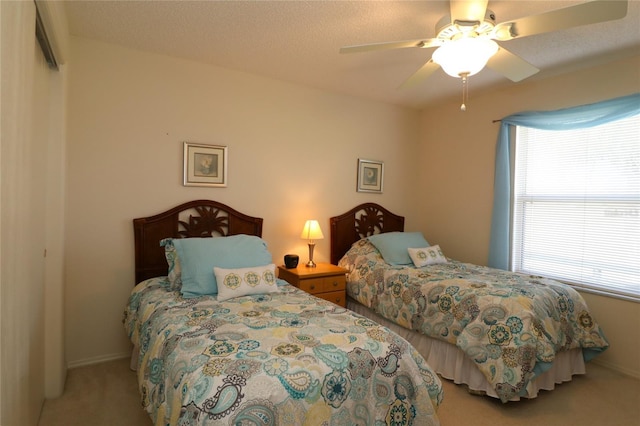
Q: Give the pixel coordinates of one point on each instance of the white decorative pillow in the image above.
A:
(244, 281)
(426, 256)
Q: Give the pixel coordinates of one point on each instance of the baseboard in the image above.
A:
(616, 367)
(98, 359)
(116, 356)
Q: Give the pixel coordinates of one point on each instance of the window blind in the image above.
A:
(577, 206)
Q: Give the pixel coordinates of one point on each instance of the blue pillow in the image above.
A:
(198, 256)
(394, 246)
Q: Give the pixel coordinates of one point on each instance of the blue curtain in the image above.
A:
(564, 119)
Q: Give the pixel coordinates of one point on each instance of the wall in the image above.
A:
(30, 137)
(292, 156)
(457, 153)
(54, 20)
(22, 368)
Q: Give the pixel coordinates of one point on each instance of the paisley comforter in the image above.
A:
(284, 358)
(511, 325)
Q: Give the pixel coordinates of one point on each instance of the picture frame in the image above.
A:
(205, 165)
(370, 176)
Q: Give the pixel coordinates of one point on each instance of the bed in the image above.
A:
(503, 334)
(245, 355)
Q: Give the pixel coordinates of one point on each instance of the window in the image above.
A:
(576, 211)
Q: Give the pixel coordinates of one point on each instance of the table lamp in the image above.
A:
(311, 232)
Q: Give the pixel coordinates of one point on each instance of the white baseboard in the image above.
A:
(113, 357)
(616, 367)
(98, 359)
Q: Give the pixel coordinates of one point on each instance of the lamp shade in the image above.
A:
(312, 231)
(465, 56)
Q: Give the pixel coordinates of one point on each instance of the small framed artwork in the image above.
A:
(370, 174)
(205, 165)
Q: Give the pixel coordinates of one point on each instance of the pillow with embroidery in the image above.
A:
(245, 281)
(426, 256)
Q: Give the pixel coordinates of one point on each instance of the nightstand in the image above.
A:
(326, 281)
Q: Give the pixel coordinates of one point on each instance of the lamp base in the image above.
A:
(311, 263)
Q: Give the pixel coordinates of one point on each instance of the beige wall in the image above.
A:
(31, 182)
(457, 153)
(53, 16)
(292, 156)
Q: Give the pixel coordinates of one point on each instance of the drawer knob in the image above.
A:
(313, 287)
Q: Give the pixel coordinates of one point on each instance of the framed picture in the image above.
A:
(370, 174)
(205, 165)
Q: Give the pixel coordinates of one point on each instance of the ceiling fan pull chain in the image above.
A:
(465, 91)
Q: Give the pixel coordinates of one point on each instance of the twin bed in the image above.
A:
(218, 339)
(252, 349)
(503, 334)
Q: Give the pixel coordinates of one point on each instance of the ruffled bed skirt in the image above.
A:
(452, 364)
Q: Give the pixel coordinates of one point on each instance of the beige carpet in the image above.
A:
(106, 394)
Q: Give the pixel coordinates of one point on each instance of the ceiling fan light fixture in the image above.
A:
(465, 56)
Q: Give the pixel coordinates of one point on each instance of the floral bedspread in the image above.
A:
(283, 358)
(511, 325)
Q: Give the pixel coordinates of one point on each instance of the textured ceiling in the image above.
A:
(299, 41)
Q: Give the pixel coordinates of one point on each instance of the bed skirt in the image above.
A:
(452, 364)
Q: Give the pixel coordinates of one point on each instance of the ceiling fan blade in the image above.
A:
(423, 43)
(422, 74)
(511, 66)
(468, 10)
(583, 14)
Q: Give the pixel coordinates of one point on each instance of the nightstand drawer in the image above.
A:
(325, 281)
(337, 297)
(311, 285)
(334, 283)
(322, 285)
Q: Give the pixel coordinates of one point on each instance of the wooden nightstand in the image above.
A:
(326, 281)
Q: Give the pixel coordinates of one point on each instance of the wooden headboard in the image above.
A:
(360, 222)
(199, 218)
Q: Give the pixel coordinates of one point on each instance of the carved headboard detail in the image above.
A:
(360, 222)
(199, 218)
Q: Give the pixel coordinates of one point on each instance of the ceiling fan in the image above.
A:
(466, 39)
